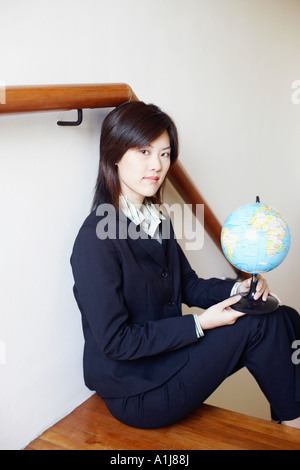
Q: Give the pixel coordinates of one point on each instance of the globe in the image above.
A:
(255, 239)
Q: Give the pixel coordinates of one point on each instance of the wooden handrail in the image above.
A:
(190, 194)
(28, 99)
(38, 98)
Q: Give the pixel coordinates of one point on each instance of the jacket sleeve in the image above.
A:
(97, 271)
(197, 292)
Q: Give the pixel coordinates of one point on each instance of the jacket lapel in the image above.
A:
(154, 249)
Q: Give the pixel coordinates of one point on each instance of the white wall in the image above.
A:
(223, 70)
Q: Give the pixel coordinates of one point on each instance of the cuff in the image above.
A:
(199, 330)
(234, 290)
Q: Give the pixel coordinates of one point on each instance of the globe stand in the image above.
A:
(248, 304)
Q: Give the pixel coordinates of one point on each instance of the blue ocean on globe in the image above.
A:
(255, 238)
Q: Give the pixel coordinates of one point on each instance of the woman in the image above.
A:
(151, 364)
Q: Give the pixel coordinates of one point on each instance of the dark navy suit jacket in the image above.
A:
(130, 292)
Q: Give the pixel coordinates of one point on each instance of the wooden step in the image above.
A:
(91, 427)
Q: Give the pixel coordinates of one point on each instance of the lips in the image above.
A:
(151, 179)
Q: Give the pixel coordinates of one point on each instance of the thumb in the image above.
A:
(231, 301)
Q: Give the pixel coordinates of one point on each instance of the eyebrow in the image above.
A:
(165, 148)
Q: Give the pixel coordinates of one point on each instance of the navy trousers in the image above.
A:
(262, 343)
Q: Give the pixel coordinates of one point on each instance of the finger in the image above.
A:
(263, 292)
(261, 284)
(262, 289)
(231, 301)
(245, 286)
(235, 313)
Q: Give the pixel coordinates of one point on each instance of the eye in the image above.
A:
(145, 152)
(166, 154)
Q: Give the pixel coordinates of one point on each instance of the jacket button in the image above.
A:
(165, 274)
(172, 303)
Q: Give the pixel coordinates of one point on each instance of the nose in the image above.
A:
(155, 163)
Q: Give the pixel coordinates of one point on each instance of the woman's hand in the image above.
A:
(262, 289)
(220, 314)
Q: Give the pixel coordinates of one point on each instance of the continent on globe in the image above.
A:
(274, 226)
(229, 242)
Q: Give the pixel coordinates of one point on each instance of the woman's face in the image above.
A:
(142, 170)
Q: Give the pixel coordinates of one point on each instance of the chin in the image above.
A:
(150, 194)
